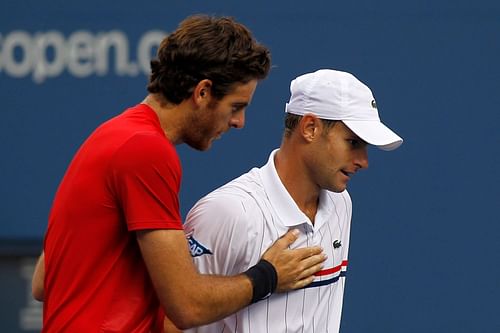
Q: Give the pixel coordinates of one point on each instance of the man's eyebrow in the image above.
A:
(240, 103)
(353, 136)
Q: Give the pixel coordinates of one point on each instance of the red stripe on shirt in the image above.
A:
(332, 270)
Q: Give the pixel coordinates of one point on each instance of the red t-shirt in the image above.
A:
(125, 177)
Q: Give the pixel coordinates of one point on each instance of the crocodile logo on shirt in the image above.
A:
(196, 248)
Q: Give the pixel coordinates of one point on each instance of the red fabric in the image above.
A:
(125, 177)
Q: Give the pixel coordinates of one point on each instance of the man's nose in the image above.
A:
(238, 120)
(362, 158)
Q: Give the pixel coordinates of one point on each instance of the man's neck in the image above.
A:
(171, 116)
(293, 175)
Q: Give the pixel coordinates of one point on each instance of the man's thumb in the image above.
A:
(290, 237)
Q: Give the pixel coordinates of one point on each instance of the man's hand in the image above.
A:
(295, 268)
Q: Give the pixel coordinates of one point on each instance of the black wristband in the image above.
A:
(264, 280)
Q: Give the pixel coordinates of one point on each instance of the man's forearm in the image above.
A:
(37, 281)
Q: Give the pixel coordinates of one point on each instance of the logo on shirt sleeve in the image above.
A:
(197, 249)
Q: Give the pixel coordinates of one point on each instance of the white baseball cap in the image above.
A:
(337, 95)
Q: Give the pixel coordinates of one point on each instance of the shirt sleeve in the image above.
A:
(218, 231)
(346, 230)
(145, 177)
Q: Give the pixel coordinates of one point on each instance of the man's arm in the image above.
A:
(191, 299)
(38, 277)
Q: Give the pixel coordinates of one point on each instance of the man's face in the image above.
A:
(210, 122)
(336, 156)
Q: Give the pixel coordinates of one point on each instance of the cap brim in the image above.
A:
(375, 133)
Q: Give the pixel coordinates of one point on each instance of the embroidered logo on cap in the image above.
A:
(337, 244)
(374, 104)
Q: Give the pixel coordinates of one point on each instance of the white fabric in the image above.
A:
(337, 95)
(241, 219)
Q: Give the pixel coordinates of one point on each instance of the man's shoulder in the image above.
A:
(246, 188)
(238, 196)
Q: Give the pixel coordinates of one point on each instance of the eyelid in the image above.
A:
(355, 142)
(239, 107)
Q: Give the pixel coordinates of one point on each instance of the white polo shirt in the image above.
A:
(230, 228)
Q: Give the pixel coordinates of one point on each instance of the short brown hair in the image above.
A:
(292, 120)
(204, 47)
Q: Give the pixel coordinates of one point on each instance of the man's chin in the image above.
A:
(338, 188)
(200, 146)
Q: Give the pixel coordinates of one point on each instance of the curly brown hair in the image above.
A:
(205, 47)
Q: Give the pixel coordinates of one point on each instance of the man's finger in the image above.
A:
(303, 282)
(288, 238)
(307, 252)
(310, 271)
(316, 259)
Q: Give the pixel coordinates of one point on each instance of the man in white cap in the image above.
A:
(330, 119)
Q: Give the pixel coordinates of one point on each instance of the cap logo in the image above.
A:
(374, 104)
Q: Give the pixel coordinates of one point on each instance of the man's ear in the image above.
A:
(310, 127)
(202, 92)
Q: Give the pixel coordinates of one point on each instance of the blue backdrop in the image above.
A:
(425, 246)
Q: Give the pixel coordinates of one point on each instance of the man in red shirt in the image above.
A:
(115, 255)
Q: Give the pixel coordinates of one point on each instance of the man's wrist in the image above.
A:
(264, 280)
